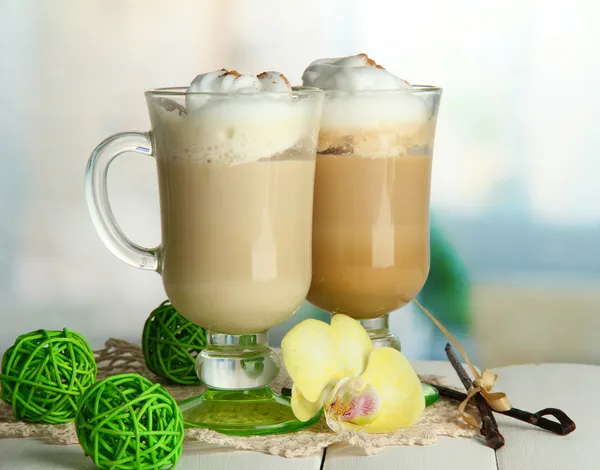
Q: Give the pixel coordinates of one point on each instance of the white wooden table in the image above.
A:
(570, 387)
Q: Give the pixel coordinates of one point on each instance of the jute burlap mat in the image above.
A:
(118, 356)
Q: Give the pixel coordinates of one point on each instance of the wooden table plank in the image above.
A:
(447, 453)
(198, 456)
(32, 454)
(570, 387)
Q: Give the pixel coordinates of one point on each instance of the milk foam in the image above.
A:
(368, 110)
(246, 125)
(352, 73)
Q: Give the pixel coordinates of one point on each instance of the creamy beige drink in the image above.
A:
(371, 233)
(236, 180)
(236, 240)
(372, 188)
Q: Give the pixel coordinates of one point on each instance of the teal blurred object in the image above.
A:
(447, 290)
(446, 295)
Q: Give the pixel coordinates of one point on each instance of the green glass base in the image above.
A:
(242, 412)
(431, 394)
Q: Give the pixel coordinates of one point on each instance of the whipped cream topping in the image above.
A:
(357, 119)
(274, 81)
(228, 81)
(354, 73)
(247, 124)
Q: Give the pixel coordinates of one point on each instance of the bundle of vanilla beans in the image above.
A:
(489, 427)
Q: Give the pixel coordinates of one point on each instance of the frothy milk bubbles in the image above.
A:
(379, 123)
(262, 120)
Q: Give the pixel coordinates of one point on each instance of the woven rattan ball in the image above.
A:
(44, 375)
(171, 344)
(127, 422)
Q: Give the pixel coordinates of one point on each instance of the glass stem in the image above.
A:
(237, 362)
(379, 332)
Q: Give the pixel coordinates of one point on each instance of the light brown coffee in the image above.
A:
(371, 232)
(236, 239)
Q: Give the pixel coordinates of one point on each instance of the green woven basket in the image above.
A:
(45, 373)
(126, 422)
(171, 343)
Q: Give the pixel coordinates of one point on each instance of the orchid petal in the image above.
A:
(355, 344)
(303, 409)
(399, 387)
(311, 356)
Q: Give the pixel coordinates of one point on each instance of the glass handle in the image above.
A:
(99, 206)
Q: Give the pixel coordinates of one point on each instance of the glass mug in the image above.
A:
(371, 208)
(236, 179)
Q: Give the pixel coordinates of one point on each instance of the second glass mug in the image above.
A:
(236, 179)
(371, 208)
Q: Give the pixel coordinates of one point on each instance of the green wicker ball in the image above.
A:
(126, 422)
(45, 373)
(171, 344)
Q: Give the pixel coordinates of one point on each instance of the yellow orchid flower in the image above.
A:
(335, 368)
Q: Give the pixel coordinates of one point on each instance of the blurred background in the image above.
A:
(516, 199)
